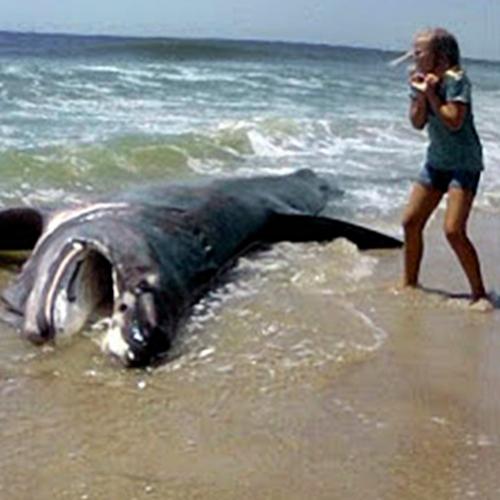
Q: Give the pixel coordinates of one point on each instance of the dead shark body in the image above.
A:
(149, 254)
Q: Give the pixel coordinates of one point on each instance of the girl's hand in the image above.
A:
(417, 81)
(431, 82)
(424, 82)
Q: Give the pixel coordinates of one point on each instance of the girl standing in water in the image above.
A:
(441, 99)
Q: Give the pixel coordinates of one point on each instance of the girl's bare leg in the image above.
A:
(423, 201)
(455, 226)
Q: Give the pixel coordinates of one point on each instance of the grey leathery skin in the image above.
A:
(148, 254)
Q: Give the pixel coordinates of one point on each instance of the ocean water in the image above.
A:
(86, 114)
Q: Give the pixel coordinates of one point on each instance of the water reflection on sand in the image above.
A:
(305, 375)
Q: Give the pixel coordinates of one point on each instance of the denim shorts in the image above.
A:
(442, 180)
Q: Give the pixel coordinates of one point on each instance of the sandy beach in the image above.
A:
(356, 391)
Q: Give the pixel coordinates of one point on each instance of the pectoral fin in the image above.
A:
(302, 228)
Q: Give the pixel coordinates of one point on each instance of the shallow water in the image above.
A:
(305, 374)
(214, 420)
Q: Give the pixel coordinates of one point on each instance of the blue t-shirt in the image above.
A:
(448, 149)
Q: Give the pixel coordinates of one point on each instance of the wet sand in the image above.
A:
(308, 376)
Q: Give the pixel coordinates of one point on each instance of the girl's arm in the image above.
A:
(418, 111)
(418, 104)
(451, 113)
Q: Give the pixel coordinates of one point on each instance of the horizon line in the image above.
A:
(223, 39)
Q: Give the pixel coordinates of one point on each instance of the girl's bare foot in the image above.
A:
(482, 304)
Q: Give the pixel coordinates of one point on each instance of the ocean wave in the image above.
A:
(97, 112)
(101, 68)
(243, 147)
